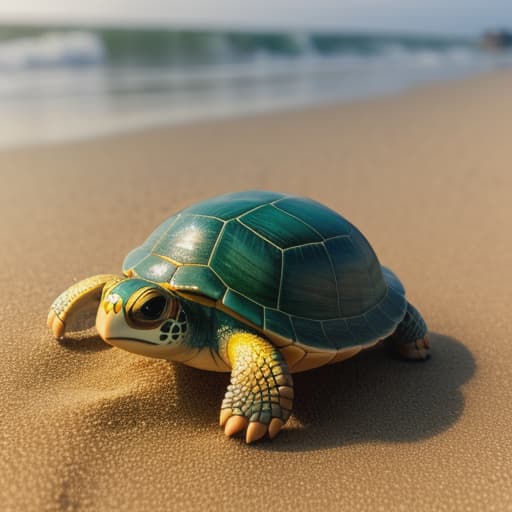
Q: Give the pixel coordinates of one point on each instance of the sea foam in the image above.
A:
(52, 49)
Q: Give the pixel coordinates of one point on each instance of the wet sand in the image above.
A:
(425, 175)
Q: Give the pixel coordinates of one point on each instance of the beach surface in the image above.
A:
(425, 175)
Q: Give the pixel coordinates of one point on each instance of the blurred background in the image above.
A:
(71, 70)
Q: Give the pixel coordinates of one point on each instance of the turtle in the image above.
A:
(256, 283)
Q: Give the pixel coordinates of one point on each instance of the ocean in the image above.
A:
(67, 83)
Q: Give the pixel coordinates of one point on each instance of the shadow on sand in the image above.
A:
(81, 335)
(372, 397)
(84, 342)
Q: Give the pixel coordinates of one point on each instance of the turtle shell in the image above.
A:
(287, 265)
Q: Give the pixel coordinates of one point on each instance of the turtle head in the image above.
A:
(142, 317)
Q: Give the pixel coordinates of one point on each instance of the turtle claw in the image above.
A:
(275, 427)
(225, 414)
(235, 424)
(255, 431)
(56, 325)
(418, 350)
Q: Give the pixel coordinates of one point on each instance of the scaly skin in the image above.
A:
(410, 338)
(76, 298)
(259, 398)
(260, 395)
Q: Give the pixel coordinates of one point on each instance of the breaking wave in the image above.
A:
(52, 49)
(61, 83)
(40, 48)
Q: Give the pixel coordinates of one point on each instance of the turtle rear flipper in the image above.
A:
(410, 339)
(77, 298)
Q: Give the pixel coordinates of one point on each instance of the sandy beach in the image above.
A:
(425, 175)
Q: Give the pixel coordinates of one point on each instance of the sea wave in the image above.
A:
(40, 48)
(60, 84)
(52, 49)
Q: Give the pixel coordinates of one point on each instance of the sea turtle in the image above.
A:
(259, 284)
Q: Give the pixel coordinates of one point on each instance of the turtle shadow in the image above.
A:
(375, 396)
(81, 335)
(378, 397)
(372, 397)
(83, 342)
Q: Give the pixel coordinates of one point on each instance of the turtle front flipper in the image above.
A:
(75, 299)
(260, 394)
(410, 338)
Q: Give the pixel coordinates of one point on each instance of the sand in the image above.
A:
(426, 175)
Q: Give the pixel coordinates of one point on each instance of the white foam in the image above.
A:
(52, 49)
(45, 99)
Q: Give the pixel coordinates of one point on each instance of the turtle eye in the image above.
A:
(149, 309)
(153, 308)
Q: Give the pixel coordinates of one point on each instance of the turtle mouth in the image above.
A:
(112, 341)
(143, 348)
(115, 331)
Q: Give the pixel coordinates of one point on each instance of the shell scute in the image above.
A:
(190, 240)
(244, 307)
(378, 320)
(362, 330)
(229, 206)
(198, 279)
(316, 281)
(160, 231)
(310, 332)
(279, 227)
(339, 334)
(280, 323)
(134, 257)
(156, 269)
(392, 309)
(248, 264)
(359, 287)
(393, 281)
(317, 216)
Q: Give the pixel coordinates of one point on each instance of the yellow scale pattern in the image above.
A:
(79, 290)
(261, 386)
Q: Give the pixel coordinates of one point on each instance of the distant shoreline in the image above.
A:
(114, 130)
(61, 84)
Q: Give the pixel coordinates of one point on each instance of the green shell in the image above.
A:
(287, 264)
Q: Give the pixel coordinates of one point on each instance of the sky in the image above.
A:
(427, 16)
